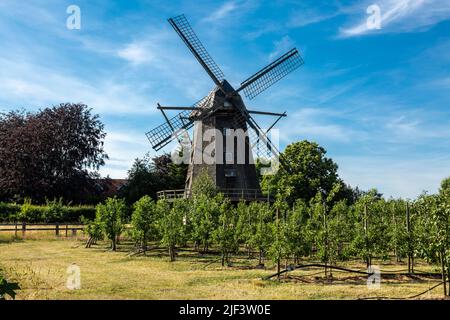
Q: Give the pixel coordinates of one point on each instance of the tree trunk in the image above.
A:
(260, 257)
(278, 268)
(172, 253)
(223, 259)
(443, 273)
(113, 244)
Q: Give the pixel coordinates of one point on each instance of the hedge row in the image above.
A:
(10, 212)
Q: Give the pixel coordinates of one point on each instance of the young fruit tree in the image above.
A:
(111, 216)
(262, 236)
(172, 226)
(225, 235)
(144, 222)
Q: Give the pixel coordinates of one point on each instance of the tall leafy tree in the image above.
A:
(148, 175)
(310, 172)
(52, 153)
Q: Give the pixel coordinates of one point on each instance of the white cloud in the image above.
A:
(28, 84)
(136, 53)
(281, 46)
(122, 148)
(399, 16)
(307, 16)
(222, 12)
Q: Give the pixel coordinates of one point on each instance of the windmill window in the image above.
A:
(229, 157)
(230, 173)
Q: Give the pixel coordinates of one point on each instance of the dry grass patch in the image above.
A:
(40, 268)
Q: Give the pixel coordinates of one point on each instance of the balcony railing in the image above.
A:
(232, 194)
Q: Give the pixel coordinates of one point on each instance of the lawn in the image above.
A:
(40, 265)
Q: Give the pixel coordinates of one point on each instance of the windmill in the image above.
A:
(223, 112)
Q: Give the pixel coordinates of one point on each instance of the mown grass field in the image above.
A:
(39, 264)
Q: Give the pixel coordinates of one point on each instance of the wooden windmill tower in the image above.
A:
(233, 132)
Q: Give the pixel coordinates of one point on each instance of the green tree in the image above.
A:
(262, 236)
(110, 215)
(371, 227)
(434, 224)
(310, 172)
(172, 224)
(203, 185)
(149, 175)
(225, 235)
(204, 220)
(246, 226)
(93, 228)
(144, 222)
(298, 239)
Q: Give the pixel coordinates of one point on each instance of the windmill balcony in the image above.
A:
(235, 195)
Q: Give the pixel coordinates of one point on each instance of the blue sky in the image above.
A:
(377, 100)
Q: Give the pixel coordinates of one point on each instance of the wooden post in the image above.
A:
(366, 226)
(15, 230)
(408, 230)
(67, 228)
(57, 230)
(24, 229)
(278, 260)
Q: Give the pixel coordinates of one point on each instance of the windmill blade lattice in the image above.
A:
(272, 73)
(187, 34)
(163, 134)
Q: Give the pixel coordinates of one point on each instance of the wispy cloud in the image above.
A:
(281, 46)
(399, 16)
(308, 15)
(223, 11)
(136, 53)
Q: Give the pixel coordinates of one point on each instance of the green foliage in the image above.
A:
(204, 219)
(53, 211)
(149, 175)
(93, 228)
(371, 227)
(226, 234)
(445, 186)
(298, 237)
(262, 235)
(7, 288)
(311, 171)
(144, 221)
(172, 224)
(9, 212)
(111, 215)
(203, 185)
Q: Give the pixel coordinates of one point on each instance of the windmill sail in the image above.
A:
(272, 73)
(163, 134)
(187, 34)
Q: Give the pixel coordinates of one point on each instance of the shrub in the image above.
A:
(9, 211)
(54, 211)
